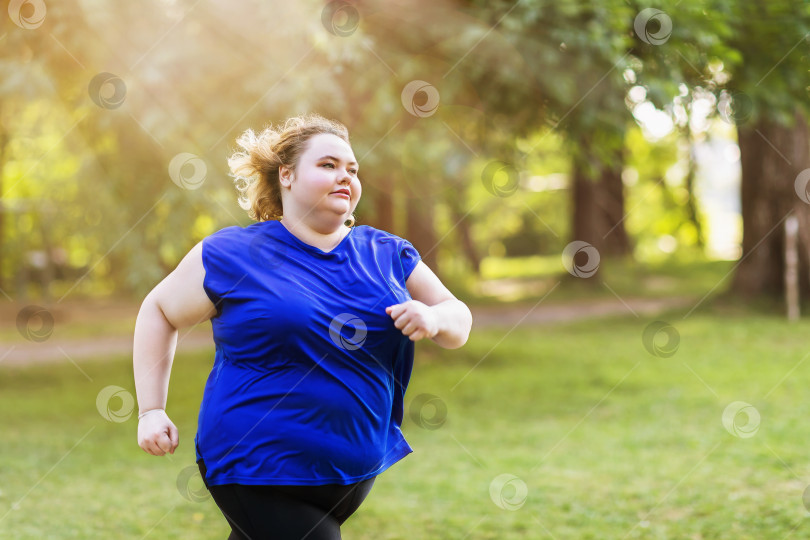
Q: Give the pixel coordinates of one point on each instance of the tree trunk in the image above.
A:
(691, 200)
(611, 187)
(598, 203)
(4, 139)
(772, 156)
(420, 231)
(383, 204)
(468, 248)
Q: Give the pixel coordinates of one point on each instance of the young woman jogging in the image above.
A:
(314, 322)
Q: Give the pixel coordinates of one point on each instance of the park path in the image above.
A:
(23, 353)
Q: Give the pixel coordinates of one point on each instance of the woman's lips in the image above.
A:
(341, 194)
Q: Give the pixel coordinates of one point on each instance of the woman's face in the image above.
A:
(326, 166)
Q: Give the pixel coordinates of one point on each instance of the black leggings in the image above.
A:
(287, 512)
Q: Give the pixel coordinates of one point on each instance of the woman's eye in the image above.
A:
(353, 171)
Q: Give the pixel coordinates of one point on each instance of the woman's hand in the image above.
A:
(157, 434)
(415, 319)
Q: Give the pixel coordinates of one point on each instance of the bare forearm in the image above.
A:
(152, 356)
(455, 322)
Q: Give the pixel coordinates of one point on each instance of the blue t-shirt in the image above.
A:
(310, 372)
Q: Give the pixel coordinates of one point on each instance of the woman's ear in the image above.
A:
(285, 175)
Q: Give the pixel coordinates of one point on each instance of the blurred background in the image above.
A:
(618, 190)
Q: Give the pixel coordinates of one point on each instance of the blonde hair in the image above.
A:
(255, 167)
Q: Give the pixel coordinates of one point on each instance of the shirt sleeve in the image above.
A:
(219, 265)
(409, 257)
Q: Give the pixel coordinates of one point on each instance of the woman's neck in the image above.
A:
(325, 241)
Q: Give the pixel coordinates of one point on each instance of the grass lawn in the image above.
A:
(527, 279)
(603, 439)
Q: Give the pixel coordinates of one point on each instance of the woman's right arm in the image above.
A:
(179, 301)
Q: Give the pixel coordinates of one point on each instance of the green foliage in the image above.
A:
(757, 51)
(657, 199)
(774, 77)
(535, 85)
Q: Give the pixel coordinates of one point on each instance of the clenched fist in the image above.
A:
(157, 434)
(415, 319)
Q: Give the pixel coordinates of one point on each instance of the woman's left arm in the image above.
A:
(433, 313)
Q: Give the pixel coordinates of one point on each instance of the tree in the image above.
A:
(768, 100)
(576, 54)
(718, 47)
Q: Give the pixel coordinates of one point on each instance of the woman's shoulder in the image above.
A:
(227, 231)
(236, 236)
(378, 235)
(234, 232)
(229, 240)
(224, 236)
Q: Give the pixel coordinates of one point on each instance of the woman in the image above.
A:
(314, 323)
